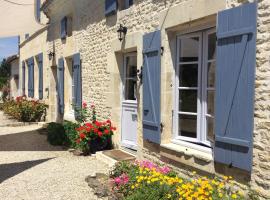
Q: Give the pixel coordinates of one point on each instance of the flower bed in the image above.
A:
(25, 110)
(148, 181)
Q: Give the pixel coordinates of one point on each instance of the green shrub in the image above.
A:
(56, 134)
(71, 133)
(25, 110)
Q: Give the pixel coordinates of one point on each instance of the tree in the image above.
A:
(4, 73)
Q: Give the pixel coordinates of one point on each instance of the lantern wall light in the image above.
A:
(122, 31)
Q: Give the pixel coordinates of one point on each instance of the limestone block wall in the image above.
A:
(95, 37)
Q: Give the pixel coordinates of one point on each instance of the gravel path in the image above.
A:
(31, 169)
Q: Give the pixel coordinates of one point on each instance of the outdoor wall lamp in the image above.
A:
(51, 55)
(122, 31)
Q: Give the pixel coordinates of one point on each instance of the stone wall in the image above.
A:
(94, 36)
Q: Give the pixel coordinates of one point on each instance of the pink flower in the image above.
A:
(125, 178)
(117, 180)
(165, 170)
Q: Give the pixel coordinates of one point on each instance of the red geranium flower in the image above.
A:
(99, 133)
(106, 131)
(88, 124)
(82, 136)
(84, 105)
(109, 121)
(95, 130)
(78, 141)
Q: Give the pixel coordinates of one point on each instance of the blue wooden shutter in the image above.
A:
(38, 10)
(60, 85)
(235, 77)
(32, 78)
(28, 78)
(40, 77)
(77, 81)
(110, 7)
(30, 64)
(151, 86)
(23, 78)
(63, 28)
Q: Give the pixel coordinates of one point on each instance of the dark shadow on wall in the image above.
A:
(27, 141)
(12, 169)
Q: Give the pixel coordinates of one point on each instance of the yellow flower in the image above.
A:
(234, 196)
(220, 195)
(132, 187)
(148, 182)
(169, 196)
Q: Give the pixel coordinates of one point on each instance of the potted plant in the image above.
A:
(94, 135)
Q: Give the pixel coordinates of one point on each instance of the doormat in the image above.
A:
(119, 155)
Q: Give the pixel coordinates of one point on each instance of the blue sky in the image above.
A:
(8, 47)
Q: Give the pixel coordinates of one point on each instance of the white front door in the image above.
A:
(129, 102)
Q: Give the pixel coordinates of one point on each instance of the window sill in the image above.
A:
(189, 151)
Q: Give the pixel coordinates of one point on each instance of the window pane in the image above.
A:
(210, 102)
(131, 68)
(210, 129)
(211, 74)
(188, 75)
(189, 49)
(130, 89)
(188, 101)
(188, 126)
(211, 46)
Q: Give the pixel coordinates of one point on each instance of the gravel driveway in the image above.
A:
(31, 169)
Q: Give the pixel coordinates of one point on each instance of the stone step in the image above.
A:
(111, 157)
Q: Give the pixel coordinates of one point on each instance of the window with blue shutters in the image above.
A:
(195, 87)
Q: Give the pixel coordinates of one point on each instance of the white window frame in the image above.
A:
(124, 78)
(200, 142)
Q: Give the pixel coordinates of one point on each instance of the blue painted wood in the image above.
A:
(235, 82)
(63, 28)
(77, 80)
(151, 86)
(23, 78)
(38, 10)
(110, 7)
(30, 63)
(40, 76)
(60, 85)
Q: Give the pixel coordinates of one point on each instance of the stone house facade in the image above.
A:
(179, 86)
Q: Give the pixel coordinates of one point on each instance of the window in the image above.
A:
(195, 81)
(130, 77)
